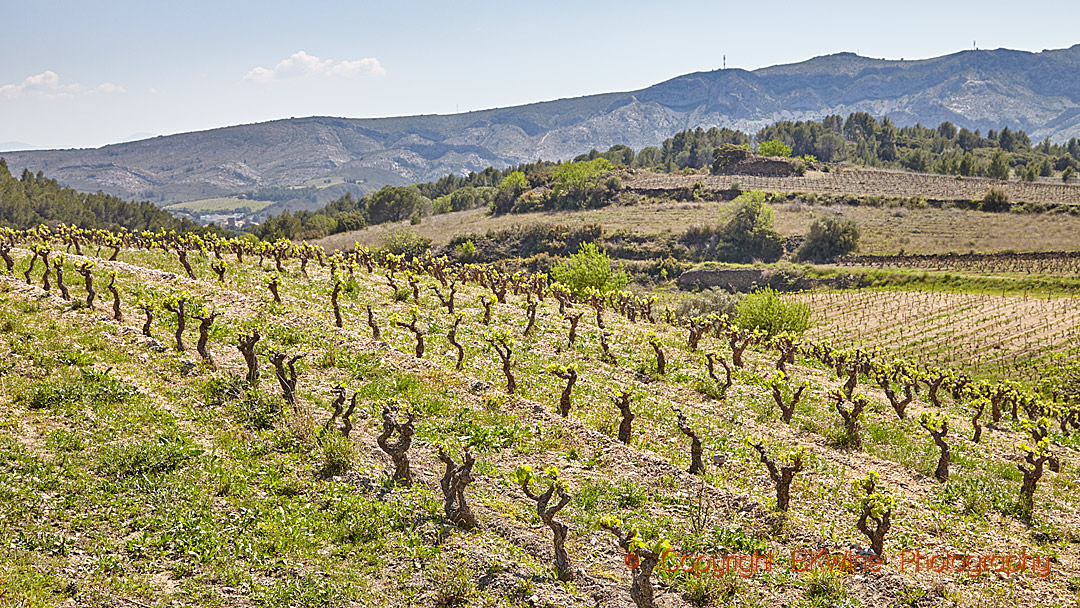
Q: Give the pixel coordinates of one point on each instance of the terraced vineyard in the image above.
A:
(265, 465)
(1053, 263)
(983, 335)
(872, 182)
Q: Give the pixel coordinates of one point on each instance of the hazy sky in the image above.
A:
(81, 73)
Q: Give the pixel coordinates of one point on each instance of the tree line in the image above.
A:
(864, 140)
(33, 199)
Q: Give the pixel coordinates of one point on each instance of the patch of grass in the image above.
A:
(977, 495)
(249, 404)
(73, 390)
(337, 454)
(824, 587)
(302, 591)
(709, 590)
(453, 586)
(162, 454)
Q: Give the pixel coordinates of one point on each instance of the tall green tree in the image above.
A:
(967, 166)
(396, 203)
(999, 166)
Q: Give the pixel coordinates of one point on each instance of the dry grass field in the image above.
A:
(884, 230)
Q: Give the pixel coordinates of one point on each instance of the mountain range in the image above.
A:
(1036, 92)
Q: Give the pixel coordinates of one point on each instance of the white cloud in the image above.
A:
(302, 65)
(107, 88)
(47, 85)
(367, 65)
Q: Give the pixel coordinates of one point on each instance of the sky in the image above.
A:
(80, 73)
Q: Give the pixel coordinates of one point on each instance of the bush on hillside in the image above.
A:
(995, 201)
(749, 234)
(406, 243)
(829, 238)
(774, 147)
(767, 311)
(707, 302)
(589, 267)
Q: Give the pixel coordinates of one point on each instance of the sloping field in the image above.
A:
(883, 230)
(133, 474)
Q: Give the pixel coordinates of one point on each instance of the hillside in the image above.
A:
(31, 199)
(134, 474)
(897, 212)
(1036, 92)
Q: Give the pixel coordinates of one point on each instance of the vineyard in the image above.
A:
(1043, 262)
(982, 335)
(201, 421)
(872, 182)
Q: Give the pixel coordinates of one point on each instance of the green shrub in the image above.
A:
(767, 311)
(573, 178)
(709, 301)
(829, 238)
(774, 147)
(749, 235)
(465, 252)
(995, 201)
(665, 268)
(406, 243)
(726, 155)
(515, 182)
(589, 267)
(782, 276)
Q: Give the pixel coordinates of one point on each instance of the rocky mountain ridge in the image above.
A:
(1036, 92)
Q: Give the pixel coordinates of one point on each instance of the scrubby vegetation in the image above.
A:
(830, 237)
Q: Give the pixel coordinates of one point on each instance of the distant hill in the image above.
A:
(1036, 92)
(16, 145)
